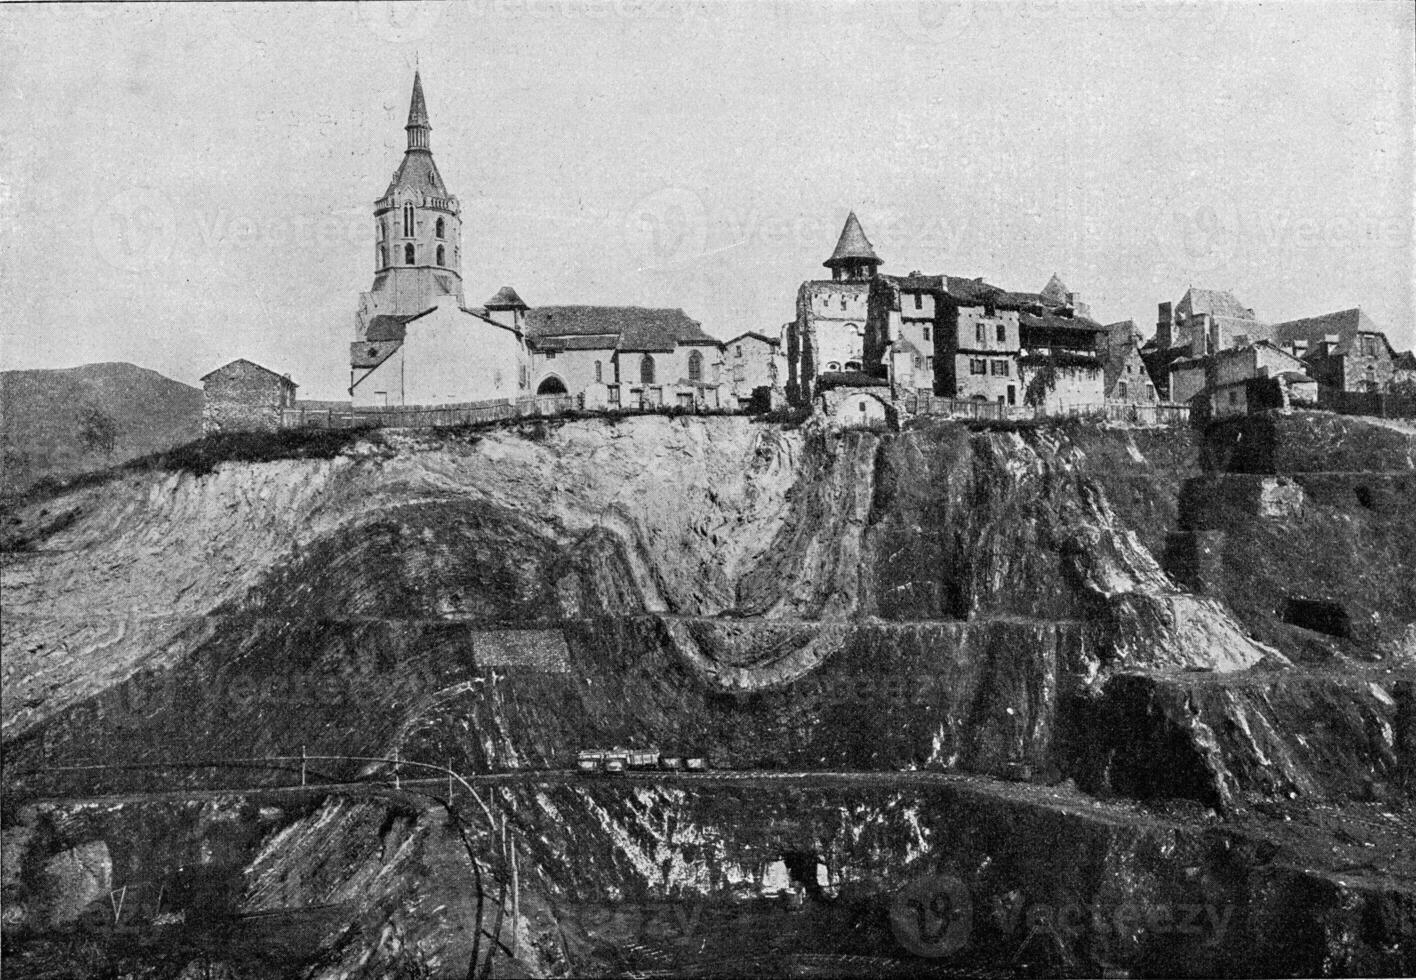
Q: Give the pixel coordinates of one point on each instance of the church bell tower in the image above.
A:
(417, 232)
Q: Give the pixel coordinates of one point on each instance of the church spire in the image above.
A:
(418, 127)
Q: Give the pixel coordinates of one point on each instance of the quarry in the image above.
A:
(1134, 700)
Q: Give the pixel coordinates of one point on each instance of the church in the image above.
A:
(418, 343)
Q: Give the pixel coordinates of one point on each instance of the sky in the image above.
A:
(182, 185)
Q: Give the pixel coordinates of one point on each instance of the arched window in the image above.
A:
(379, 227)
(383, 256)
(695, 366)
(646, 369)
(441, 256)
(407, 221)
(440, 228)
(408, 255)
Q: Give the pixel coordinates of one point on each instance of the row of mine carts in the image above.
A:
(637, 760)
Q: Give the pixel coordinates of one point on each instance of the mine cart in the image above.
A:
(590, 760)
(614, 761)
(642, 758)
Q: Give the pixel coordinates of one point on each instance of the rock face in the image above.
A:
(1209, 624)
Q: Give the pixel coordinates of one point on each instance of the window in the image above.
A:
(852, 365)
(834, 366)
(599, 372)
(408, 255)
(739, 350)
(929, 364)
(1000, 369)
(919, 301)
(550, 355)
(695, 366)
(441, 256)
(381, 230)
(862, 406)
(978, 365)
(1002, 332)
(439, 230)
(407, 221)
(383, 256)
(1121, 389)
(646, 369)
(926, 333)
(980, 334)
(1150, 391)
(1234, 398)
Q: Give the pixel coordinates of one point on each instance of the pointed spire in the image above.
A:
(853, 248)
(418, 126)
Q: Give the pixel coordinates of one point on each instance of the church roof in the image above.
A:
(418, 173)
(391, 326)
(852, 246)
(505, 299)
(417, 107)
(627, 327)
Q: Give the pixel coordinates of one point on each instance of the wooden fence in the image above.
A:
(1378, 403)
(1156, 414)
(427, 416)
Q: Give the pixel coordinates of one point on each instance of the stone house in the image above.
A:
(828, 333)
(755, 369)
(624, 356)
(242, 396)
(1345, 350)
(1061, 364)
(1403, 368)
(1238, 380)
(1125, 378)
(1207, 320)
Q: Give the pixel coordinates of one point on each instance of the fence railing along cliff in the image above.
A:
(1160, 413)
(427, 416)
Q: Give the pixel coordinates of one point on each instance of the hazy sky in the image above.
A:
(182, 185)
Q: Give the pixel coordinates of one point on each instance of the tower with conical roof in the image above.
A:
(417, 231)
(854, 258)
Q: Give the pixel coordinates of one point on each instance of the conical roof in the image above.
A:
(505, 299)
(852, 246)
(1055, 289)
(417, 108)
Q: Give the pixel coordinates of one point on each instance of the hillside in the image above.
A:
(42, 416)
(1183, 661)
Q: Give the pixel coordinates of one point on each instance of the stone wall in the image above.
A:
(242, 397)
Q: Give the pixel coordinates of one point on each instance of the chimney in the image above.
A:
(1211, 327)
(1163, 323)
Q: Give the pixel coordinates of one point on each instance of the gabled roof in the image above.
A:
(774, 341)
(632, 327)
(905, 345)
(1051, 321)
(251, 364)
(506, 299)
(1405, 361)
(1215, 302)
(1347, 324)
(852, 246)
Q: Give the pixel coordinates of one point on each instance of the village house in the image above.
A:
(624, 357)
(1238, 380)
(1126, 380)
(756, 370)
(1345, 350)
(1202, 322)
(1403, 369)
(242, 396)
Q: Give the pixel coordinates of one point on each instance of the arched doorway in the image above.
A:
(552, 386)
